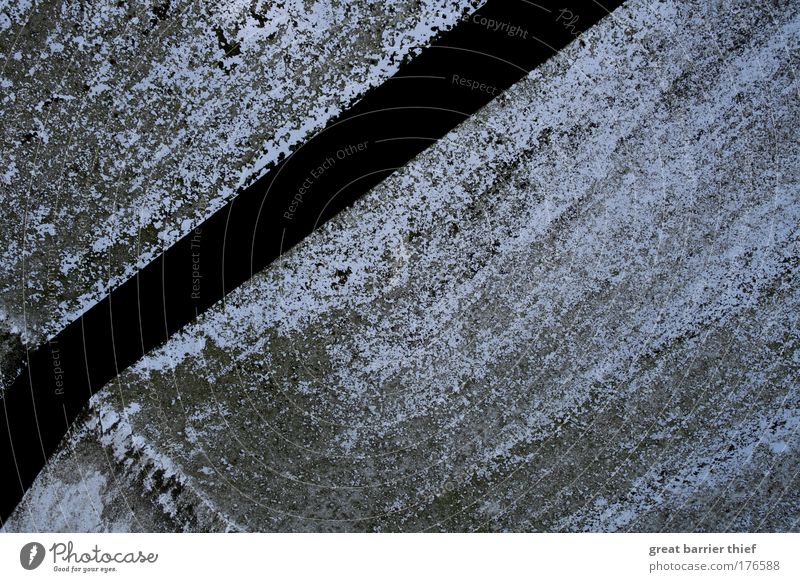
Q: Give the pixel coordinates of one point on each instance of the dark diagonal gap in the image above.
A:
(449, 81)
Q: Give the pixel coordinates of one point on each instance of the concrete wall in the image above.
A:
(579, 311)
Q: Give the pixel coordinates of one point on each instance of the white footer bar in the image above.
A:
(354, 557)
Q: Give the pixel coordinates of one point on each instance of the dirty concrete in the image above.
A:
(125, 124)
(577, 312)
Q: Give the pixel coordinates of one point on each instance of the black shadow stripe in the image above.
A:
(428, 97)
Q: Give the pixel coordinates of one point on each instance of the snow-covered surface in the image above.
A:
(125, 124)
(578, 311)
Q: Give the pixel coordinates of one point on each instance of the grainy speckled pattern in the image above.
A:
(126, 123)
(579, 311)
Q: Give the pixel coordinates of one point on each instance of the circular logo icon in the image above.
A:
(31, 555)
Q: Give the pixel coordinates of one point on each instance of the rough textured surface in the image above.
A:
(579, 311)
(125, 124)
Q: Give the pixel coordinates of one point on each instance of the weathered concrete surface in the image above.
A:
(579, 311)
(125, 124)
